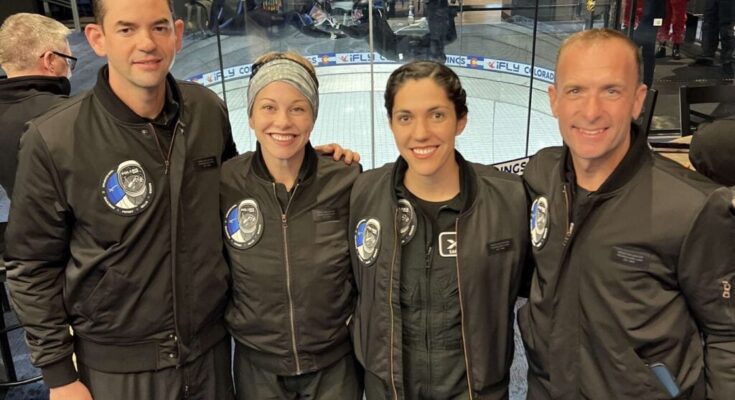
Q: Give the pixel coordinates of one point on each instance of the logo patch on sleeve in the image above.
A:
(126, 189)
(367, 240)
(244, 224)
(539, 223)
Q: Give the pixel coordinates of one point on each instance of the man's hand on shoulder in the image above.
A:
(338, 153)
(72, 391)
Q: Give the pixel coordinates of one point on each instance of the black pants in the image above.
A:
(376, 389)
(206, 378)
(341, 380)
(718, 25)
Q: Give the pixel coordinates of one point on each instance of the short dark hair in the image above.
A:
(439, 73)
(98, 9)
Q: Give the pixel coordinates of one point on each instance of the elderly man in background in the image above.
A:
(35, 55)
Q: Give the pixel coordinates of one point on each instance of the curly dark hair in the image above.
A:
(439, 73)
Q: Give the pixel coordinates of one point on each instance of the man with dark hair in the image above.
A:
(631, 297)
(35, 54)
(114, 228)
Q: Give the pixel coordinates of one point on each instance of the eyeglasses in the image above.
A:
(70, 60)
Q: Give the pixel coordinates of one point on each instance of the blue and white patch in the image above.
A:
(367, 240)
(126, 189)
(539, 222)
(407, 221)
(244, 224)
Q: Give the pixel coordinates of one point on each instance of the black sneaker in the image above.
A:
(727, 71)
(675, 53)
(661, 53)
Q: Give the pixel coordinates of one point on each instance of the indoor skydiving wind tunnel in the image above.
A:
(504, 52)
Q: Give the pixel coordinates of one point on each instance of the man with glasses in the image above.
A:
(35, 55)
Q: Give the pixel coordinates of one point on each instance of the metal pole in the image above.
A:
(533, 70)
(75, 15)
(221, 62)
(372, 83)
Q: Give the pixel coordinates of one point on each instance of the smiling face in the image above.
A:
(282, 119)
(140, 40)
(595, 98)
(425, 126)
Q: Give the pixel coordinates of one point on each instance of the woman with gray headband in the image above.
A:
(284, 211)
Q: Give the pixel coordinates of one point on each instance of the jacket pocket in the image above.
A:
(334, 231)
(105, 296)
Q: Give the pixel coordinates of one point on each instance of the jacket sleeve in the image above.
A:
(707, 275)
(36, 254)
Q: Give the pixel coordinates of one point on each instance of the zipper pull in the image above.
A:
(167, 163)
(186, 391)
(726, 289)
(283, 220)
(568, 235)
(428, 257)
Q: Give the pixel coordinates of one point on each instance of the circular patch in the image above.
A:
(244, 224)
(126, 189)
(367, 240)
(539, 221)
(407, 220)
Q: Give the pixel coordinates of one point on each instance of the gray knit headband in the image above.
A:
(288, 71)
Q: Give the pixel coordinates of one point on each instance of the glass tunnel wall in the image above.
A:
(503, 50)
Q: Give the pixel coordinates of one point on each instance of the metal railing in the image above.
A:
(71, 4)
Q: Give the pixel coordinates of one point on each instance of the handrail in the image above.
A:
(72, 4)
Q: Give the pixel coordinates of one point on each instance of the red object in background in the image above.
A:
(674, 22)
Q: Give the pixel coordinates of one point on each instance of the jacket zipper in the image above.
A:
(461, 313)
(569, 224)
(427, 300)
(390, 304)
(284, 228)
(166, 157)
(167, 163)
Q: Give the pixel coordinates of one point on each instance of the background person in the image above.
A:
(630, 298)
(712, 151)
(719, 17)
(35, 55)
(673, 28)
(438, 252)
(285, 215)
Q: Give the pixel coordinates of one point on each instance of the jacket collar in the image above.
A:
(306, 171)
(637, 154)
(121, 111)
(467, 185)
(18, 88)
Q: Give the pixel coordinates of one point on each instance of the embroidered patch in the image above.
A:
(407, 220)
(448, 244)
(500, 246)
(244, 224)
(367, 240)
(539, 222)
(630, 256)
(126, 189)
(206, 162)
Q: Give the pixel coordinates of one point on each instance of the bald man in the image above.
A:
(634, 254)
